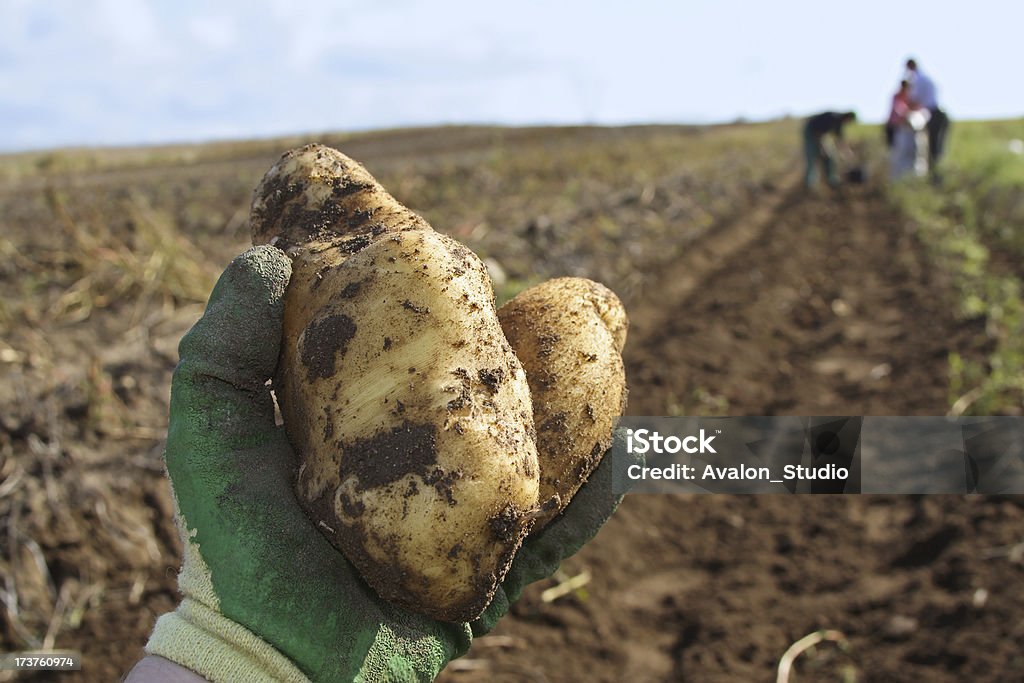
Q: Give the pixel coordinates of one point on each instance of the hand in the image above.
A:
(264, 593)
(849, 157)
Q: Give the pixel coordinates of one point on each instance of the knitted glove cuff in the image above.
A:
(208, 643)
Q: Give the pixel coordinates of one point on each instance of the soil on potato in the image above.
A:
(747, 296)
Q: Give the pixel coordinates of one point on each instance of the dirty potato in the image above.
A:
(316, 193)
(569, 334)
(410, 413)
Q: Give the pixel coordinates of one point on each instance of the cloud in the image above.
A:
(129, 71)
(131, 27)
(214, 32)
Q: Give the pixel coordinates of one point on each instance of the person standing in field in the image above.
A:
(906, 136)
(898, 111)
(823, 138)
(923, 94)
(909, 151)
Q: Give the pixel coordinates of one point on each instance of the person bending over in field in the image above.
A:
(823, 139)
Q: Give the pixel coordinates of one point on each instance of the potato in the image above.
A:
(315, 193)
(569, 334)
(410, 413)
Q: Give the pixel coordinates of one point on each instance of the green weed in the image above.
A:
(973, 228)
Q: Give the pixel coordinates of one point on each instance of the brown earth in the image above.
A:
(805, 305)
(747, 297)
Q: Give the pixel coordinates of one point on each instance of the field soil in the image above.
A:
(804, 305)
(747, 296)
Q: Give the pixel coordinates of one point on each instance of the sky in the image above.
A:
(126, 72)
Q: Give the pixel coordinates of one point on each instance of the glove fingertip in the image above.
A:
(262, 273)
(238, 336)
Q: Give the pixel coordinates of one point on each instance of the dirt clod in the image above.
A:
(391, 455)
(323, 340)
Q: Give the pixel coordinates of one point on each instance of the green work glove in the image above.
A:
(265, 596)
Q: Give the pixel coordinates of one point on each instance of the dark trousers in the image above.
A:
(938, 128)
(815, 153)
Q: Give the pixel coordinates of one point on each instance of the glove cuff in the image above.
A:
(220, 650)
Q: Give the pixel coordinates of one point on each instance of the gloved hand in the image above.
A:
(265, 596)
